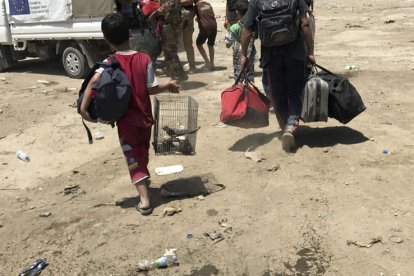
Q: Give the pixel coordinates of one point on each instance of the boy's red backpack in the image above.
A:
(243, 105)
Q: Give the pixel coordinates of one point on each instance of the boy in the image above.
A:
(208, 31)
(233, 38)
(134, 129)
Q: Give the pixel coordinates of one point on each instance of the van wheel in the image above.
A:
(74, 63)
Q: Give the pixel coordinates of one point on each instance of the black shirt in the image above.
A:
(295, 49)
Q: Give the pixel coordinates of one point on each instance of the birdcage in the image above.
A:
(175, 124)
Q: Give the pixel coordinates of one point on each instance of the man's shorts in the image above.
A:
(135, 143)
(210, 38)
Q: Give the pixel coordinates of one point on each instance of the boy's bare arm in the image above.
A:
(172, 86)
(307, 33)
(87, 98)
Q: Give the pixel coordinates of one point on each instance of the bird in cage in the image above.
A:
(174, 133)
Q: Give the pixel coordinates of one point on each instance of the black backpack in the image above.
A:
(277, 22)
(113, 93)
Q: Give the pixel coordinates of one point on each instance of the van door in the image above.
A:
(5, 34)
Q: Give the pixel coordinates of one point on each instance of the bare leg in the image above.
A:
(211, 52)
(143, 194)
(203, 53)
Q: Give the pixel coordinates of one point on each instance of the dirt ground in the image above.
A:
(292, 214)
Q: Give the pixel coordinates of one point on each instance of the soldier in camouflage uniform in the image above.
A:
(170, 12)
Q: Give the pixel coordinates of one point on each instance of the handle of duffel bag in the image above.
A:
(326, 70)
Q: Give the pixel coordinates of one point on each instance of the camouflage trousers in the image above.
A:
(170, 35)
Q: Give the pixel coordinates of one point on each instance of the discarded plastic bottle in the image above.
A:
(166, 261)
(22, 156)
(163, 262)
(36, 268)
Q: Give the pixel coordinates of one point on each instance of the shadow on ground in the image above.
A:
(253, 141)
(328, 136)
(39, 66)
(187, 187)
(189, 85)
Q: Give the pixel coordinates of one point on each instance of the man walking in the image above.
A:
(283, 57)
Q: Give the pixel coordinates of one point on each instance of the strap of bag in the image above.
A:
(88, 131)
(326, 70)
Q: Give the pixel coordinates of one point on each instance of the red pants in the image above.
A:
(135, 143)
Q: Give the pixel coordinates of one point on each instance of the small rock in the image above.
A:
(169, 211)
(372, 139)
(45, 214)
(1, 111)
(274, 168)
(1, 224)
(325, 150)
(256, 156)
(98, 136)
(200, 197)
(395, 239)
(3, 79)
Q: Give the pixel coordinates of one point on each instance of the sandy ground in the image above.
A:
(291, 214)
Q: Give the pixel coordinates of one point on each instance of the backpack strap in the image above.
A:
(88, 131)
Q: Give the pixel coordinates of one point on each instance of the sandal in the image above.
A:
(144, 211)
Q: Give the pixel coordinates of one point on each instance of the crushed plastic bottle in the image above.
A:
(22, 156)
(36, 268)
(162, 262)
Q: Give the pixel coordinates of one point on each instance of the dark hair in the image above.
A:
(242, 6)
(115, 29)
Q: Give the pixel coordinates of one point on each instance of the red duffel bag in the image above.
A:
(243, 105)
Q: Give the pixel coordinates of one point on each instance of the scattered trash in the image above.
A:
(352, 26)
(189, 236)
(386, 152)
(389, 21)
(214, 236)
(45, 214)
(70, 89)
(220, 124)
(395, 239)
(22, 156)
(46, 82)
(168, 260)
(373, 101)
(98, 136)
(274, 168)
(36, 268)
(70, 189)
(254, 155)
(169, 170)
(350, 67)
(169, 211)
(227, 227)
(200, 197)
(366, 245)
